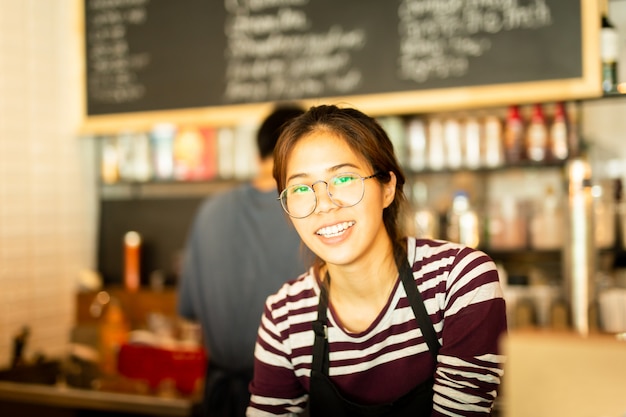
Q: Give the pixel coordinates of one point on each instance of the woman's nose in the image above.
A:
(324, 202)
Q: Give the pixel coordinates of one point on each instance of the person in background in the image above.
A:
(240, 249)
(381, 324)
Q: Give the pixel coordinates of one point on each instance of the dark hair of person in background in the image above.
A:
(269, 131)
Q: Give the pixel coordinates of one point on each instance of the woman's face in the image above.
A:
(339, 235)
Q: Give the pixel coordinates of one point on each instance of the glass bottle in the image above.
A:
(492, 149)
(425, 220)
(436, 145)
(514, 136)
(609, 51)
(463, 226)
(417, 144)
(452, 141)
(537, 135)
(547, 223)
(472, 138)
(559, 133)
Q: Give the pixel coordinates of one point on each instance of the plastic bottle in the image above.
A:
(537, 135)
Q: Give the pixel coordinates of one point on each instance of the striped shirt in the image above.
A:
(463, 297)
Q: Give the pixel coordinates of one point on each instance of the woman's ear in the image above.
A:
(389, 189)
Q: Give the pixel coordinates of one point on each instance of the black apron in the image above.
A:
(324, 398)
(225, 392)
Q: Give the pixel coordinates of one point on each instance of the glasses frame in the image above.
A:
(312, 187)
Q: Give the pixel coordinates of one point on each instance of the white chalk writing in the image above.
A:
(272, 53)
(439, 38)
(112, 65)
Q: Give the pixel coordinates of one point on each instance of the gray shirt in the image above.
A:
(241, 249)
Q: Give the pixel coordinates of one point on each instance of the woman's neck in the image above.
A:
(359, 293)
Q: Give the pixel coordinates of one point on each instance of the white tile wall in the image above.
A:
(47, 196)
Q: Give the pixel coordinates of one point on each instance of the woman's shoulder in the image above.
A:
(420, 249)
(442, 264)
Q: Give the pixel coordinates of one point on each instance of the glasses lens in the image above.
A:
(346, 190)
(298, 200)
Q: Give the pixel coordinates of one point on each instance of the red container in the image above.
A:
(185, 367)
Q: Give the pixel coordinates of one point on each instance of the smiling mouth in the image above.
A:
(335, 230)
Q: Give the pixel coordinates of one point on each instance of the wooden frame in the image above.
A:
(409, 102)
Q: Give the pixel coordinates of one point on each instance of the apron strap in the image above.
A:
(419, 309)
(320, 361)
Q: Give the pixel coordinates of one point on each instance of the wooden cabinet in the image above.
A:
(137, 306)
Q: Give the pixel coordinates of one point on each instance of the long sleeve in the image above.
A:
(469, 366)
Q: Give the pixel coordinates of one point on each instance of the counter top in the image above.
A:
(75, 398)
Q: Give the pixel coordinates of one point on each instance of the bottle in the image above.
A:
(436, 145)
(226, 152)
(604, 216)
(132, 259)
(492, 149)
(525, 314)
(452, 143)
(143, 157)
(162, 143)
(109, 169)
(559, 133)
(393, 125)
(425, 220)
(619, 248)
(559, 315)
(463, 224)
(609, 51)
(416, 136)
(537, 135)
(472, 139)
(514, 136)
(507, 224)
(113, 333)
(547, 224)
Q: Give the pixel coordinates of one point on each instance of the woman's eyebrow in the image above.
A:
(331, 169)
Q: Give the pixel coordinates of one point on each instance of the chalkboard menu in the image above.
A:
(147, 55)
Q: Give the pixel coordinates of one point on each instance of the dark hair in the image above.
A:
(365, 137)
(269, 131)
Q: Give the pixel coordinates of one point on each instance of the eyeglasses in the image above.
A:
(344, 190)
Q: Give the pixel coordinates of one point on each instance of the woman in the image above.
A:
(352, 336)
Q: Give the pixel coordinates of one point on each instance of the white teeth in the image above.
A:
(335, 230)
